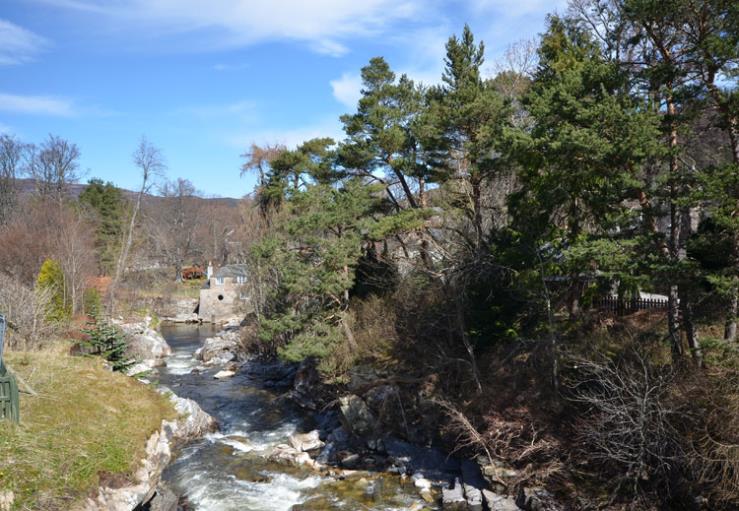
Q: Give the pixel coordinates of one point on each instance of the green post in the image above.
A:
(9, 400)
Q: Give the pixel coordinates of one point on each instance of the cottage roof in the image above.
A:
(232, 270)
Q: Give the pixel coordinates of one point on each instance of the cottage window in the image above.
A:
(219, 281)
(241, 279)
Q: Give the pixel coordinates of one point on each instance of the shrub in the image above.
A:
(51, 280)
(26, 310)
(109, 342)
(626, 425)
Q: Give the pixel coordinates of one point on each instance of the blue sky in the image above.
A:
(204, 78)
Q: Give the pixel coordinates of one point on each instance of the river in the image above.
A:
(229, 470)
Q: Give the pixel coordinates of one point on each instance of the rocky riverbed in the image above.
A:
(272, 455)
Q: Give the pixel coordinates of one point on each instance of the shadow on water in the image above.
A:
(230, 469)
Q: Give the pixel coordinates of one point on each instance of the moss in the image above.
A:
(85, 423)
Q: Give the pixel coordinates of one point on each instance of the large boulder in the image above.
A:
(145, 343)
(356, 416)
(306, 441)
(218, 350)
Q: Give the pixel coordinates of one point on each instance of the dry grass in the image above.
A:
(85, 424)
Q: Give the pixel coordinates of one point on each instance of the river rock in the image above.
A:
(217, 350)
(223, 374)
(163, 500)
(452, 499)
(139, 368)
(192, 423)
(146, 344)
(356, 416)
(305, 381)
(497, 502)
(306, 441)
(420, 482)
(473, 496)
(283, 453)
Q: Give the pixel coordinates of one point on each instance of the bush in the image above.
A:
(51, 280)
(109, 342)
(626, 423)
(26, 311)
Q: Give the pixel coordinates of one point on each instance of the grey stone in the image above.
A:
(356, 416)
(145, 344)
(217, 351)
(306, 441)
(223, 374)
(452, 499)
(473, 496)
(350, 460)
(497, 502)
(164, 500)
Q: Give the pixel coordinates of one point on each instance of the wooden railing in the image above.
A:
(628, 306)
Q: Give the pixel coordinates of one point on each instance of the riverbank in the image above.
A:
(280, 448)
(87, 427)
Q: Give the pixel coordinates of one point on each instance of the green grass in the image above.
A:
(85, 424)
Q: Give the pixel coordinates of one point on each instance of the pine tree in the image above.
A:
(109, 342)
(107, 203)
(580, 160)
(470, 116)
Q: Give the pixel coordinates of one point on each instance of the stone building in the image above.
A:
(223, 296)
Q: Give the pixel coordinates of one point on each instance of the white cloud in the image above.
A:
(18, 45)
(325, 25)
(36, 105)
(348, 89)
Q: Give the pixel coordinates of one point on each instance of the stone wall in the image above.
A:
(220, 302)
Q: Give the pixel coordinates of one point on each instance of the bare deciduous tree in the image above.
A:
(54, 166)
(25, 309)
(172, 223)
(11, 154)
(150, 162)
(74, 247)
(627, 421)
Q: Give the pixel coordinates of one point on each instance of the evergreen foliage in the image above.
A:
(107, 201)
(51, 279)
(109, 342)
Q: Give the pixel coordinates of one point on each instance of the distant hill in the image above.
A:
(27, 186)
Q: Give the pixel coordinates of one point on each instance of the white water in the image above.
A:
(228, 470)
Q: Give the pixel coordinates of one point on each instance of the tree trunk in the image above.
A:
(673, 312)
(125, 249)
(731, 312)
(477, 213)
(686, 305)
(425, 255)
(465, 339)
